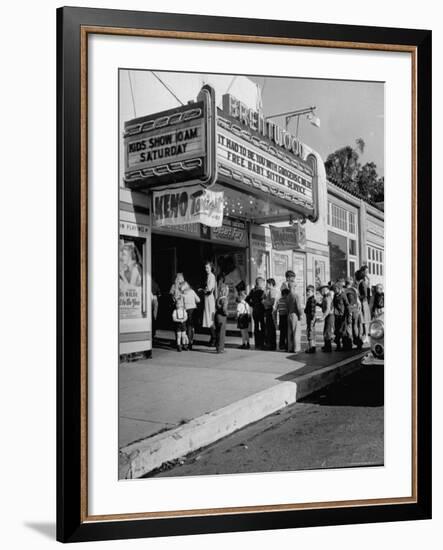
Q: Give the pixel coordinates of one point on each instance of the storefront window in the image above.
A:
(339, 217)
(338, 247)
(342, 219)
(375, 261)
(351, 222)
(351, 268)
(131, 279)
(352, 247)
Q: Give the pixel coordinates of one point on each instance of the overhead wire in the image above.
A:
(132, 94)
(168, 88)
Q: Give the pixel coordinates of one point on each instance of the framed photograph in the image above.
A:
(226, 359)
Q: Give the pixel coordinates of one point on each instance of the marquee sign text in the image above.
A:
(172, 147)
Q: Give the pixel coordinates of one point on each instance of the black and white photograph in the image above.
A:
(251, 273)
(197, 347)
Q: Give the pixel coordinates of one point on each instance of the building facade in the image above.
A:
(268, 182)
(355, 235)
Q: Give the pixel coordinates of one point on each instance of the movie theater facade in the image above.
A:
(213, 180)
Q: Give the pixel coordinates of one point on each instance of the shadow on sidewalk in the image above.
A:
(364, 388)
(311, 362)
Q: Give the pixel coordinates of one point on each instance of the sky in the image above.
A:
(347, 110)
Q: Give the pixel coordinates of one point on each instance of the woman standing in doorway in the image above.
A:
(209, 305)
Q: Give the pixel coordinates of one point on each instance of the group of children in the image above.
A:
(348, 306)
(345, 309)
(185, 301)
(271, 308)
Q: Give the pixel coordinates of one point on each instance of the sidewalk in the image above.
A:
(176, 402)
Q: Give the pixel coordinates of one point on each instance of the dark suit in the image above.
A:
(255, 300)
(294, 325)
(341, 316)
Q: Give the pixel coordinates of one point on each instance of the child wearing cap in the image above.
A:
(310, 309)
(282, 312)
(328, 317)
(269, 305)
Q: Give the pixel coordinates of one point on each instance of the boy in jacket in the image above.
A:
(353, 323)
(221, 314)
(269, 303)
(255, 299)
(328, 317)
(310, 310)
(294, 318)
(341, 318)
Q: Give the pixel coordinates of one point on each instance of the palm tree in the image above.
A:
(360, 145)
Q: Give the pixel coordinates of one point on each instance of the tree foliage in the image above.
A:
(344, 167)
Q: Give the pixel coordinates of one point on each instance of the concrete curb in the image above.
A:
(141, 457)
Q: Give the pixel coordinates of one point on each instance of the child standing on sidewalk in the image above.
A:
(353, 321)
(378, 302)
(310, 310)
(340, 305)
(221, 313)
(294, 319)
(282, 310)
(190, 301)
(328, 317)
(269, 306)
(179, 316)
(243, 320)
(255, 300)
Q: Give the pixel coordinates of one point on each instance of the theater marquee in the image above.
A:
(235, 146)
(172, 147)
(260, 158)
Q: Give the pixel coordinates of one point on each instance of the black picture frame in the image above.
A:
(72, 522)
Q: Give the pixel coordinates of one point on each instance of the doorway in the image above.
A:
(172, 255)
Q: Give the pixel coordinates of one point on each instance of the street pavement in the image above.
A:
(339, 426)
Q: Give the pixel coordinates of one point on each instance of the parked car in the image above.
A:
(376, 356)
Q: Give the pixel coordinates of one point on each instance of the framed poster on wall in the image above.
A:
(299, 263)
(319, 272)
(280, 264)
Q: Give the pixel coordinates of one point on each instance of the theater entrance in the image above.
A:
(172, 254)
